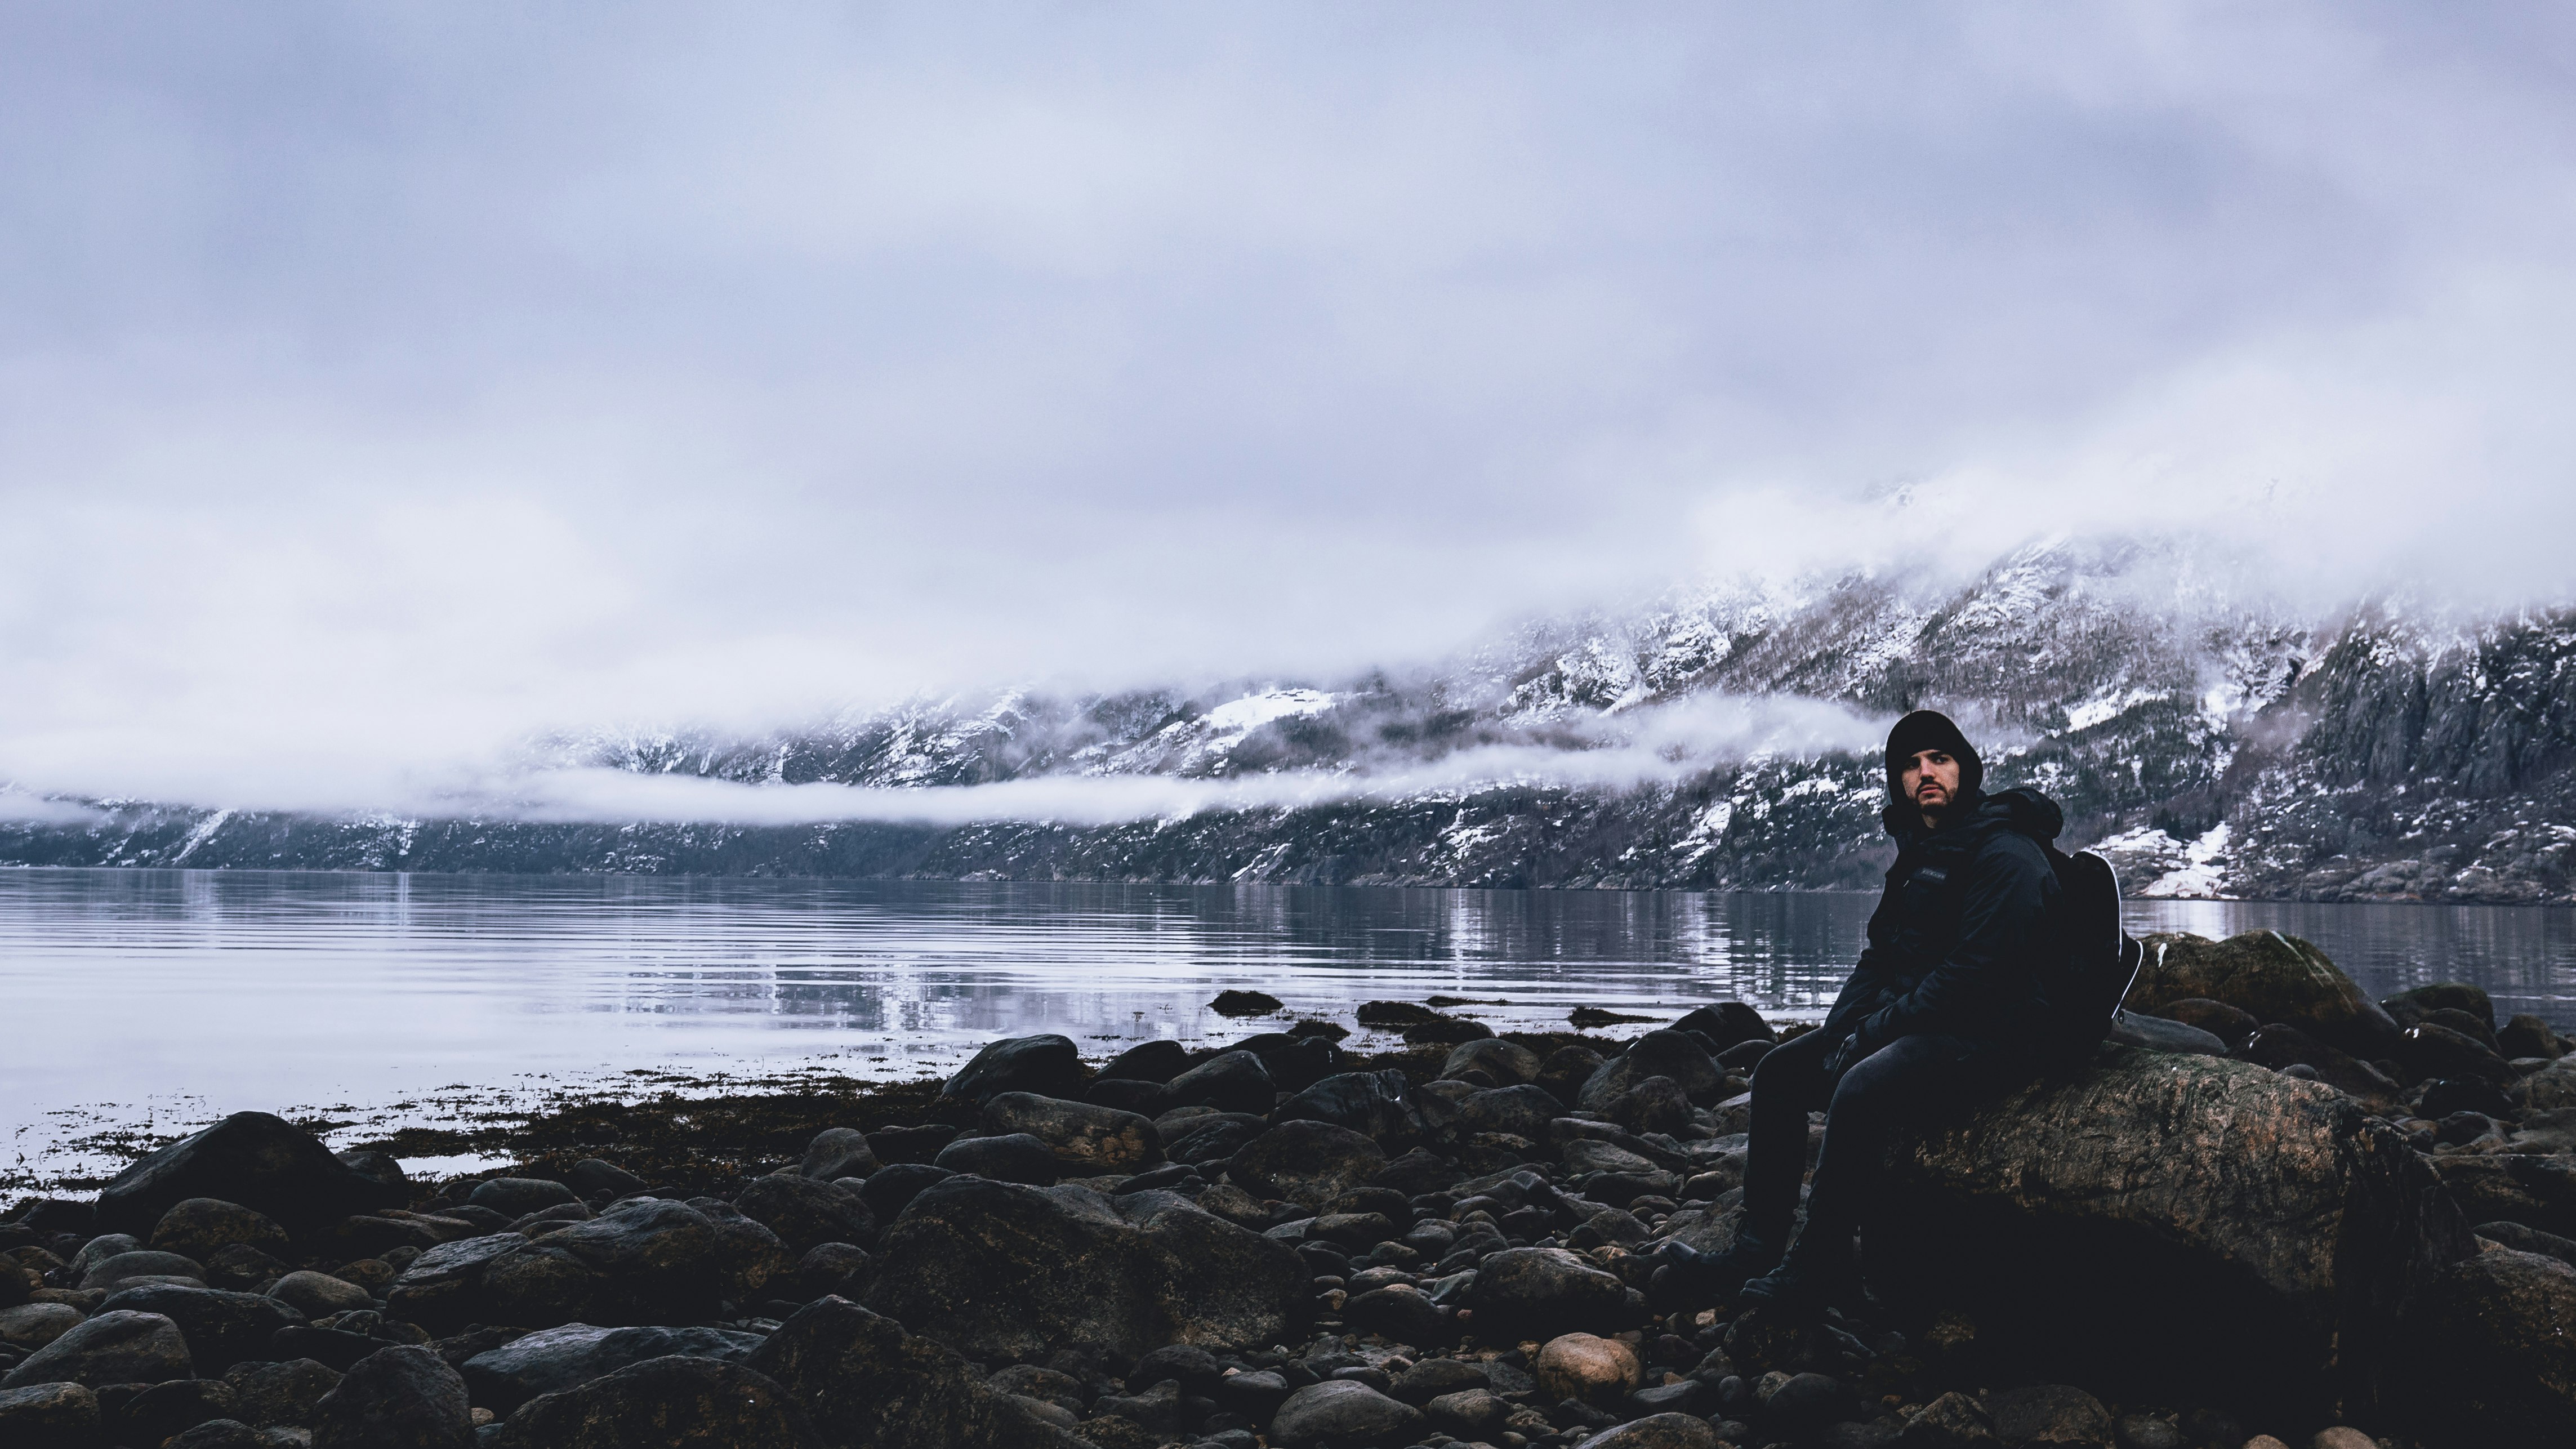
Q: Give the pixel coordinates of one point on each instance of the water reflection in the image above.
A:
(252, 989)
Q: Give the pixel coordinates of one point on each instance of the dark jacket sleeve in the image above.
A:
(1870, 986)
(1989, 980)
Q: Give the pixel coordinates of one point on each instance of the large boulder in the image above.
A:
(1003, 1271)
(221, 1328)
(666, 1403)
(200, 1227)
(2491, 1356)
(1087, 1140)
(112, 1348)
(257, 1160)
(1047, 1065)
(49, 1416)
(1236, 1081)
(1728, 1023)
(1157, 1061)
(442, 1289)
(1507, 1062)
(2177, 1221)
(2271, 977)
(1294, 1062)
(1378, 1104)
(836, 1153)
(1342, 1411)
(404, 1397)
(645, 1260)
(1522, 1111)
(554, 1359)
(804, 1211)
(1656, 1054)
(870, 1385)
(1546, 1293)
(1309, 1163)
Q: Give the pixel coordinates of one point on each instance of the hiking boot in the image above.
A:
(1716, 1278)
(1820, 1272)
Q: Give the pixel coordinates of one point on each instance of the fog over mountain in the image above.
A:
(1492, 443)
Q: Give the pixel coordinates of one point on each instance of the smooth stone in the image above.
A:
(1472, 1412)
(804, 1211)
(1656, 1054)
(402, 1397)
(49, 1416)
(110, 1348)
(1309, 1163)
(516, 1197)
(2158, 1034)
(1585, 1367)
(109, 1272)
(2051, 1416)
(199, 1227)
(256, 1159)
(553, 1359)
(1429, 1378)
(1509, 1063)
(1545, 1293)
(319, 1295)
(838, 1152)
(1048, 1065)
(889, 1189)
(33, 1325)
(1522, 1111)
(1087, 1140)
(842, 1268)
(1155, 1061)
(1341, 1411)
(221, 1328)
(290, 1392)
(666, 1403)
(2269, 976)
(1658, 1431)
(1235, 1081)
(593, 1178)
(1016, 1157)
(2489, 1356)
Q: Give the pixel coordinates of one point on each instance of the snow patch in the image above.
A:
(2201, 874)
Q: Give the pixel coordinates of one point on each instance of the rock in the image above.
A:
(1477, 1412)
(837, 1152)
(225, 1434)
(747, 1254)
(890, 1188)
(2429, 1049)
(108, 1273)
(1432, 1377)
(641, 1261)
(257, 1160)
(2051, 1416)
(2290, 1220)
(804, 1211)
(594, 1179)
(221, 1329)
(1393, 1015)
(1155, 1061)
(515, 1197)
(443, 1287)
(1341, 1411)
(319, 1295)
(199, 1227)
(2477, 1028)
(2407, 1008)
(2271, 977)
(1046, 1065)
(1543, 1293)
(666, 1403)
(1306, 1162)
(1244, 1003)
(2341, 1437)
(2278, 1046)
(2231, 1025)
(870, 1385)
(280, 1393)
(101, 1248)
(2156, 1034)
(33, 1325)
(1402, 1313)
(1656, 1054)
(1377, 1104)
(554, 1359)
(1294, 1062)
(241, 1267)
(110, 1348)
(2527, 1036)
(842, 1268)
(1046, 1385)
(1509, 1063)
(1656, 1104)
(49, 1416)
(1087, 1140)
(1229, 1081)
(1001, 1271)
(1522, 1111)
(2512, 1235)
(2491, 1361)
(151, 1414)
(1214, 1137)
(1417, 1172)
(1146, 1099)
(2146, 1431)
(1952, 1421)
(1728, 1024)
(1015, 1157)
(2552, 1087)
(1658, 1431)
(1563, 1071)
(1583, 1367)
(920, 1144)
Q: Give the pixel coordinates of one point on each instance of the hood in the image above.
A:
(2021, 809)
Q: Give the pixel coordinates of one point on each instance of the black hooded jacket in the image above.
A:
(1957, 942)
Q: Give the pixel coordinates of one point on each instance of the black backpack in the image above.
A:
(2094, 961)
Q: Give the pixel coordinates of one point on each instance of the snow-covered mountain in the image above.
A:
(2207, 745)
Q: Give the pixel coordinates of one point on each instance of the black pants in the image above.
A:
(1912, 1079)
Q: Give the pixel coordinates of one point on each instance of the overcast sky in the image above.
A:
(379, 385)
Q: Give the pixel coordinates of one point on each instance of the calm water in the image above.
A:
(169, 997)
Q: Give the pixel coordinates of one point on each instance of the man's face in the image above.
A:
(1931, 781)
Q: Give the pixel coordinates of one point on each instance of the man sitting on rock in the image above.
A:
(1943, 1010)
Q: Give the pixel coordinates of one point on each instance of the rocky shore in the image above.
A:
(2270, 1212)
